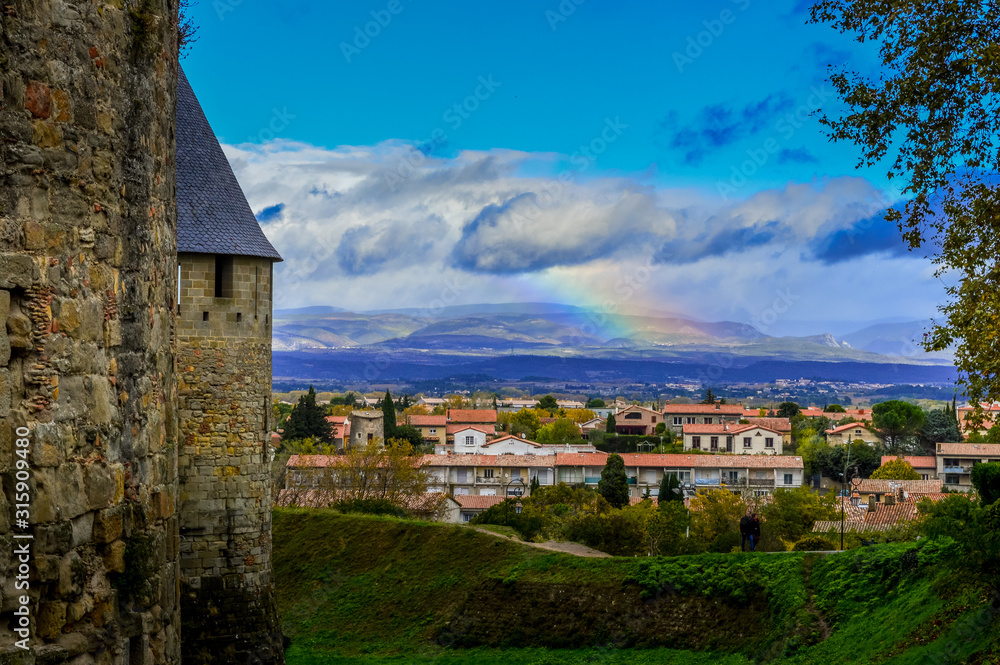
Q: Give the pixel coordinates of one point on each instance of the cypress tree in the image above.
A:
(613, 485)
(308, 419)
(389, 418)
(667, 487)
(610, 427)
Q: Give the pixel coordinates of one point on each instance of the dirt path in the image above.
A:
(553, 545)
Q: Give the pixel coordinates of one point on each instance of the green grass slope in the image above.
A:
(364, 589)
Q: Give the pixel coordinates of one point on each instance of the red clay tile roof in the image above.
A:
(323, 498)
(847, 426)
(680, 461)
(485, 429)
(776, 424)
(916, 461)
(704, 409)
(507, 461)
(875, 486)
(725, 428)
(477, 502)
(508, 437)
(472, 416)
(986, 449)
(428, 421)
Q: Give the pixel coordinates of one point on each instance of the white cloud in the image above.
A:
(382, 226)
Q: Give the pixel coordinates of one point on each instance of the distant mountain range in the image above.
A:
(565, 330)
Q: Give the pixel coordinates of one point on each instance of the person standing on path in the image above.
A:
(746, 532)
(755, 532)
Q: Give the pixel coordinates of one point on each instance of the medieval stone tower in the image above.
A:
(224, 401)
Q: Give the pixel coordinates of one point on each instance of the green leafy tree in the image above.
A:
(791, 513)
(548, 403)
(613, 485)
(940, 427)
(834, 408)
(973, 526)
(610, 425)
(896, 469)
(986, 480)
(667, 487)
(560, 431)
(410, 434)
(715, 517)
(788, 410)
(308, 419)
(897, 422)
(595, 403)
(930, 111)
(534, 486)
(526, 422)
(388, 417)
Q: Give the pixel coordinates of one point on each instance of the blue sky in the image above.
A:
(541, 150)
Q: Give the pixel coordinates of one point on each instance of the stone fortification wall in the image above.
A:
(87, 282)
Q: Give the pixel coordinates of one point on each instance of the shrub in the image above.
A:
(986, 480)
(813, 543)
(369, 507)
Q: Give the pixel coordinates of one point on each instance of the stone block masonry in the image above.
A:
(224, 402)
(87, 289)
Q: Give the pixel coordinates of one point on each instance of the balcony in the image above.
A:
(487, 481)
(706, 481)
(761, 482)
(592, 480)
(954, 469)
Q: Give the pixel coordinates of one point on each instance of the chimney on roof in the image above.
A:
(872, 506)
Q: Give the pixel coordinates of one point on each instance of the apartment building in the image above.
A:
(955, 462)
(676, 416)
(733, 438)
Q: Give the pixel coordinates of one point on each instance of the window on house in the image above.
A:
(713, 443)
(204, 316)
(696, 442)
(729, 444)
(370, 436)
(689, 420)
(634, 415)
(678, 420)
(769, 442)
(951, 478)
(654, 419)
(470, 440)
(708, 421)
(487, 473)
(223, 276)
(433, 430)
(788, 479)
(463, 475)
(747, 442)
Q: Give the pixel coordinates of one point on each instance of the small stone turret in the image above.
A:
(224, 404)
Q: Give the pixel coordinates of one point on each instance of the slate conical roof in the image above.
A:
(213, 216)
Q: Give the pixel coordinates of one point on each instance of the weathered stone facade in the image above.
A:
(87, 288)
(224, 403)
(366, 426)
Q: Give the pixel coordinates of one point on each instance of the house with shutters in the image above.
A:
(676, 416)
(925, 465)
(750, 439)
(850, 432)
(636, 419)
(431, 428)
